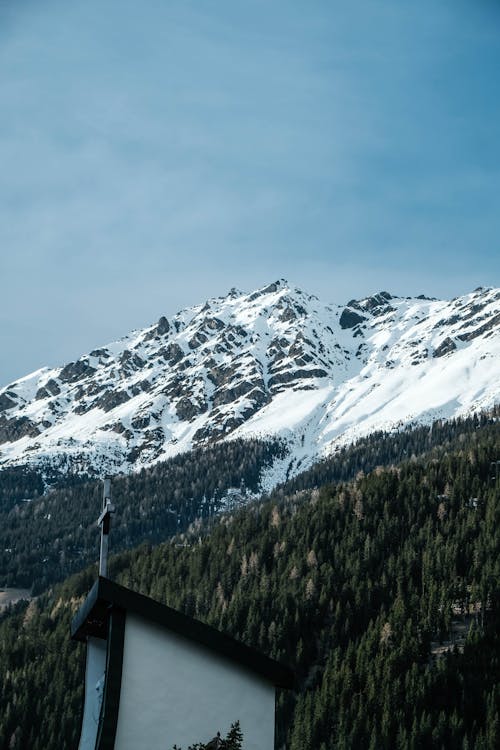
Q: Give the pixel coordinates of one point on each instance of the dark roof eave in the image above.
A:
(91, 620)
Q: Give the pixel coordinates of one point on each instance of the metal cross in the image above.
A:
(104, 521)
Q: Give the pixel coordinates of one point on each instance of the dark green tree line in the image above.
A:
(382, 592)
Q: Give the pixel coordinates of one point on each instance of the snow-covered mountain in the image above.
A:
(273, 362)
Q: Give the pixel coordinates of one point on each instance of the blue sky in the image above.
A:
(158, 153)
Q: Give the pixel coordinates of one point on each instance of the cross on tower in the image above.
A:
(104, 521)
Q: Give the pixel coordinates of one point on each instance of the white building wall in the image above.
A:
(176, 692)
(94, 684)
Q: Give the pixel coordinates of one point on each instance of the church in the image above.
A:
(156, 678)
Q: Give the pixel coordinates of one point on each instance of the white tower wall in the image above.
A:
(175, 691)
(94, 683)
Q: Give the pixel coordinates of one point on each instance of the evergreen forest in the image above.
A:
(48, 533)
(380, 587)
(48, 524)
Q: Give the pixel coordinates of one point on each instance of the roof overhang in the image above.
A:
(105, 596)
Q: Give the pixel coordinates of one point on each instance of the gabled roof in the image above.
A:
(92, 620)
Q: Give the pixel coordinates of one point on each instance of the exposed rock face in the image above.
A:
(187, 409)
(15, 429)
(234, 392)
(198, 339)
(445, 347)
(377, 300)
(140, 422)
(172, 353)
(489, 327)
(289, 377)
(111, 399)
(76, 371)
(52, 387)
(101, 353)
(214, 324)
(276, 361)
(270, 289)
(6, 402)
(350, 318)
(163, 326)
(131, 360)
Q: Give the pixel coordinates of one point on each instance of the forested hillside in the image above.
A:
(382, 592)
(386, 448)
(54, 534)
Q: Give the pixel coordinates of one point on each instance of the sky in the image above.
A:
(156, 154)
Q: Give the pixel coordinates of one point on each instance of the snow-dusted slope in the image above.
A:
(274, 362)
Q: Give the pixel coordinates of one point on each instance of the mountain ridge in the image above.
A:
(276, 362)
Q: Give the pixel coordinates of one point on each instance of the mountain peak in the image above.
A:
(369, 303)
(275, 286)
(272, 362)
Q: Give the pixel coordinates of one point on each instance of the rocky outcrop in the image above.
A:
(111, 399)
(291, 376)
(101, 353)
(375, 301)
(172, 353)
(15, 429)
(198, 339)
(76, 371)
(270, 289)
(160, 329)
(51, 388)
(349, 318)
(214, 324)
(6, 402)
(131, 360)
(187, 408)
(163, 326)
(491, 325)
(445, 347)
(234, 392)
